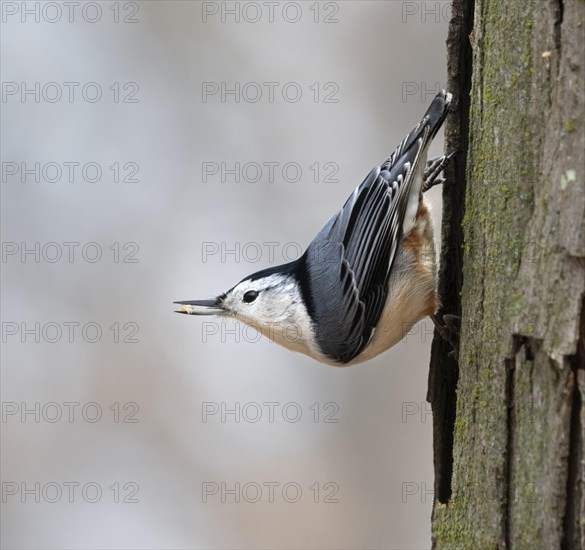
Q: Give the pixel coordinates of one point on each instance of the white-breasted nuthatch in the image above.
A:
(366, 278)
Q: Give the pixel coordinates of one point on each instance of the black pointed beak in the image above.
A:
(202, 307)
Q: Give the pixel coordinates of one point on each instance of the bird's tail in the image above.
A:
(437, 112)
(413, 152)
(426, 129)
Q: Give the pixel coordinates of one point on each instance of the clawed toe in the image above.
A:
(449, 329)
(434, 167)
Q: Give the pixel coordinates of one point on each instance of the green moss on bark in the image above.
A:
(522, 291)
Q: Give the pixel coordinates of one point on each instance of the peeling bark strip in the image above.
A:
(574, 522)
(513, 475)
(444, 370)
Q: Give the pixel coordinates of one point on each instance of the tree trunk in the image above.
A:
(508, 415)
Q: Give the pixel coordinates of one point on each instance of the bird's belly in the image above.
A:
(412, 300)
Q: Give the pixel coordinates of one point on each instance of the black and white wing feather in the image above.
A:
(347, 266)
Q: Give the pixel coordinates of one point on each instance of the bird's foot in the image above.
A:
(433, 168)
(448, 326)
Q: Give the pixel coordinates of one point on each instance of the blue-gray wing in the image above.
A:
(348, 264)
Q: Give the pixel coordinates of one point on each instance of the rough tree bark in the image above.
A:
(508, 415)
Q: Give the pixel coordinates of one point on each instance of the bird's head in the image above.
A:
(267, 299)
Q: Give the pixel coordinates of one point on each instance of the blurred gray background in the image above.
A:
(346, 459)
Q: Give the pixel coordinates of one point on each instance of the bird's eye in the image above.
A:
(250, 296)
